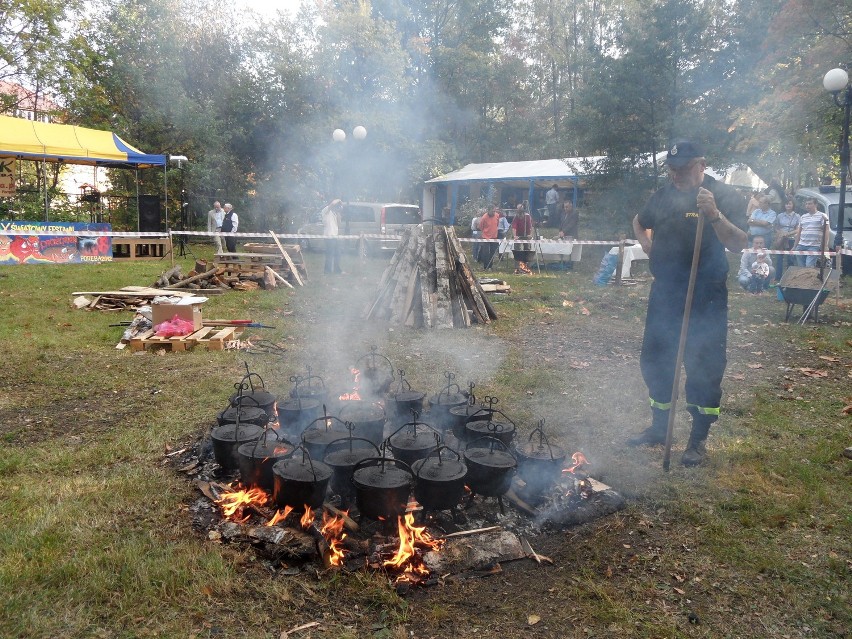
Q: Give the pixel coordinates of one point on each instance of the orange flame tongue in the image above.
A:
(411, 537)
(280, 515)
(356, 386)
(332, 531)
(308, 518)
(579, 459)
(233, 502)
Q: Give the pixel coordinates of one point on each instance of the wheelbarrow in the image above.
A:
(801, 285)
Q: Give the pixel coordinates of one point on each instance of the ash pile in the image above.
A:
(378, 477)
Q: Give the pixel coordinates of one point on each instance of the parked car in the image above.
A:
(828, 201)
(385, 219)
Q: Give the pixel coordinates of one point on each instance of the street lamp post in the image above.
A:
(836, 82)
(339, 137)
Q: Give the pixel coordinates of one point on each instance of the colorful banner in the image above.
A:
(7, 177)
(20, 243)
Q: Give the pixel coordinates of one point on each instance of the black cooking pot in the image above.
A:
(295, 413)
(309, 387)
(376, 373)
(459, 415)
(492, 423)
(439, 483)
(539, 463)
(410, 443)
(228, 438)
(382, 487)
(321, 432)
(251, 385)
(341, 456)
(257, 458)
(446, 399)
(246, 411)
(401, 401)
(368, 419)
(298, 481)
(523, 254)
(490, 466)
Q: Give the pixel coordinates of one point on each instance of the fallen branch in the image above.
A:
(285, 634)
(279, 278)
(350, 524)
(475, 531)
(519, 503)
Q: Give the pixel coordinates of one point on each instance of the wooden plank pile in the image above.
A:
(127, 298)
(205, 278)
(428, 283)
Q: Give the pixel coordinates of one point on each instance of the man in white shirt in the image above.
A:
(551, 199)
(214, 224)
(812, 233)
(230, 224)
(331, 220)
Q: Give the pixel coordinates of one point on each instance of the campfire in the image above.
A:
(523, 269)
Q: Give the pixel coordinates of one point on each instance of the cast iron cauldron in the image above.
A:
(401, 400)
(309, 387)
(490, 466)
(441, 403)
(493, 423)
(299, 481)
(376, 373)
(257, 458)
(246, 411)
(246, 388)
(382, 487)
(341, 456)
(295, 413)
(439, 482)
(539, 462)
(368, 419)
(228, 438)
(321, 432)
(409, 443)
(459, 415)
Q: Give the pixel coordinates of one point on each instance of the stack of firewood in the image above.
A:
(428, 283)
(205, 277)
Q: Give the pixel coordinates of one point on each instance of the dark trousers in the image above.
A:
(705, 354)
(332, 255)
(783, 261)
(231, 244)
(487, 251)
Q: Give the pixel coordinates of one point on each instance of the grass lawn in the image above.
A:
(96, 536)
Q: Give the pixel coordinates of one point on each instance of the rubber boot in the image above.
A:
(655, 433)
(696, 450)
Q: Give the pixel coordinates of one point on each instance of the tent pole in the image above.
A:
(166, 190)
(138, 227)
(46, 204)
(530, 195)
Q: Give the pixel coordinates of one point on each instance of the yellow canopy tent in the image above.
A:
(40, 141)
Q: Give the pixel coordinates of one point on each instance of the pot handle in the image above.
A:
(322, 418)
(492, 441)
(371, 461)
(341, 440)
(438, 450)
(542, 439)
(262, 438)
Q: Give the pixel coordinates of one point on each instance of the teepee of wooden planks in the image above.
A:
(428, 283)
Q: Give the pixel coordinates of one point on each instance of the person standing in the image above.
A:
(666, 230)
(331, 221)
(488, 226)
(762, 221)
(786, 225)
(476, 234)
(812, 232)
(214, 224)
(230, 224)
(551, 199)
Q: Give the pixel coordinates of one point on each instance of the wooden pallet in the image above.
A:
(263, 259)
(213, 338)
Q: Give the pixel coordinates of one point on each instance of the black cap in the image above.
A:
(681, 152)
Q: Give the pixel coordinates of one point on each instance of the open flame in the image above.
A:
(233, 503)
(407, 560)
(356, 386)
(280, 515)
(523, 269)
(579, 459)
(308, 518)
(332, 531)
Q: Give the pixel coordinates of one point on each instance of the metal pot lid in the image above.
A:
(244, 432)
(262, 397)
(300, 468)
(273, 448)
(468, 411)
(360, 411)
(246, 413)
(447, 399)
(409, 440)
(348, 458)
(493, 428)
(310, 392)
(431, 469)
(407, 396)
(382, 476)
(493, 458)
(541, 452)
(296, 404)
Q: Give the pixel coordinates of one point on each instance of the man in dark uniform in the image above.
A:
(666, 230)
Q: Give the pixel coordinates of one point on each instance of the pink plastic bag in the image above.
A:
(175, 327)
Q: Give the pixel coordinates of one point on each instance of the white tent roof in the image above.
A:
(557, 170)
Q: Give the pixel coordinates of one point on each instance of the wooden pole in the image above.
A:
(687, 309)
(171, 248)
